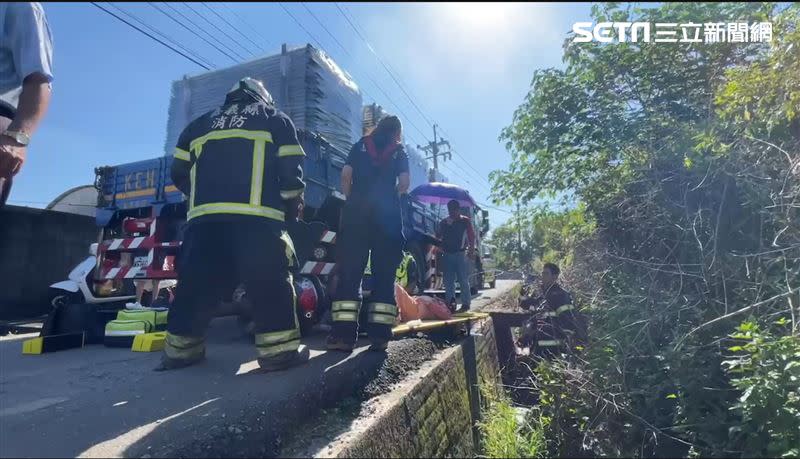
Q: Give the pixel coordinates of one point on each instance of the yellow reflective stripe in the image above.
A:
(549, 314)
(345, 306)
(183, 347)
(383, 308)
(549, 343)
(290, 150)
(565, 308)
(233, 208)
(268, 339)
(183, 155)
(257, 178)
(193, 180)
(345, 316)
(381, 319)
(289, 194)
(289, 251)
(265, 136)
(291, 346)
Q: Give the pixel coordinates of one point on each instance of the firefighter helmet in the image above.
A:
(253, 88)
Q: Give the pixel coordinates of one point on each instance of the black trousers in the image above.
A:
(215, 257)
(367, 227)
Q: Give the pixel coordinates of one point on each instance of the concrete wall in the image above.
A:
(37, 248)
(435, 416)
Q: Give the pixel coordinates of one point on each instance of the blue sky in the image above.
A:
(467, 67)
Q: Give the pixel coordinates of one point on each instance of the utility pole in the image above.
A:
(433, 149)
(519, 236)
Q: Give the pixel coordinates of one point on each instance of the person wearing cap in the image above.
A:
(240, 166)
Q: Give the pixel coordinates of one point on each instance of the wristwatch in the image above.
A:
(19, 136)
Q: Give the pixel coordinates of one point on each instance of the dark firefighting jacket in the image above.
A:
(239, 162)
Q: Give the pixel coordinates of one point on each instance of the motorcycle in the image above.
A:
(80, 286)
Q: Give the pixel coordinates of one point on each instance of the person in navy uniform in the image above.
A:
(373, 179)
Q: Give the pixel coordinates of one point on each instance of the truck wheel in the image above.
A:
(493, 284)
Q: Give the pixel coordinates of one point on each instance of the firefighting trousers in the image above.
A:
(215, 257)
(366, 229)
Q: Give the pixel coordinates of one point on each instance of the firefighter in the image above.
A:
(556, 325)
(241, 168)
(373, 178)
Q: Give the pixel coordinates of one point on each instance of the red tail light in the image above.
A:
(306, 295)
(137, 225)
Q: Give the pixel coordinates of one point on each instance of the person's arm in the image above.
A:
(403, 176)
(347, 180)
(290, 162)
(470, 238)
(33, 103)
(31, 46)
(180, 173)
(347, 170)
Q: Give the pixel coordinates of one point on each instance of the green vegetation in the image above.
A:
(505, 433)
(684, 246)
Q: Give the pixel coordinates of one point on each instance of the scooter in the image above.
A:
(79, 288)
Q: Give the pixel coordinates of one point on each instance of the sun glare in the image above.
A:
(481, 15)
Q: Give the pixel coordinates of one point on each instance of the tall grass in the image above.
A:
(506, 434)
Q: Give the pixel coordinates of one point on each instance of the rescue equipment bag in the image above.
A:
(120, 333)
(156, 317)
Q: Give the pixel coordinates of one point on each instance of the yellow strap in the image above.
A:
(183, 155)
(549, 343)
(345, 316)
(234, 208)
(345, 306)
(265, 136)
(290, 150)
(289, 194)
(381, 319)
(269, 339)
(257, 177)
(269, 351)
(383, 308)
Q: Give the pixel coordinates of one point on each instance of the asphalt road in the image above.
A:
(105, 402)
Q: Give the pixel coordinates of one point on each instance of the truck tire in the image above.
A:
(493, 284)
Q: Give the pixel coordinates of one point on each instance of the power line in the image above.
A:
(355, 26)
(383, 64)
(369, 77)
(319, 44)
(151, 36)
(241, 57)
(193, 32)
(202, 16)
(231, 26)
(243, 21)
(162, 35)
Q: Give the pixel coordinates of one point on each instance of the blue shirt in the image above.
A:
(26, 47)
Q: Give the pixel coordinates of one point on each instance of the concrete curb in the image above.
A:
(432, 413)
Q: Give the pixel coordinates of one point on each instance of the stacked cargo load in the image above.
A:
(305, 83)
(417, 164)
